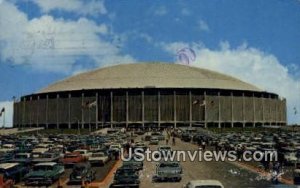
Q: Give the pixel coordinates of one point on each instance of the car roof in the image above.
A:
(8, 165)
(46, 164)
(205, 182)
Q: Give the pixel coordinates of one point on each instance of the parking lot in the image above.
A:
(228, 173)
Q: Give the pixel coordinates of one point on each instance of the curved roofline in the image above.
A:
(140, 76)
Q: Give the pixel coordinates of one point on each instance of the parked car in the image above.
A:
(72, 158)
(134, 164)
(6, 182)
(186, 137)
(82, 173)
(84, 152)
(164, 150)
(158, 135)
(7, 148)
(168, 171)
(204, 184)
(114, 148)
(99, 158)
(6, 157)
(23, 158)
(39, 150)
(140, 145)
(47, 157)
(44, 174)
(126, 178)
(153, 141)
(14, 171)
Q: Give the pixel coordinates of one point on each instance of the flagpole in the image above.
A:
(4, 119)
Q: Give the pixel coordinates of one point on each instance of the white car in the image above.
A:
(7, 148)
(40, 149)
(99, 158)
(84, 152)
(204, 184)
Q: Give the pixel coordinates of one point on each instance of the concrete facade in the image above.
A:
(150, 107)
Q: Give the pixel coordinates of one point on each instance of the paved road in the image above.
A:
(228, 174)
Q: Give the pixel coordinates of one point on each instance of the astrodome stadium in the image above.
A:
(144, 95)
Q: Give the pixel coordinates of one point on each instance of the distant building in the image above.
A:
(150, 94)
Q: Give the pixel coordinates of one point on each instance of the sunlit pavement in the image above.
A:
(229, 174)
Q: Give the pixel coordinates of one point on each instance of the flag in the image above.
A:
(92, 104)
(85, 104)
(3, 110)
(203, 103)
(195, 102)
(89, 104)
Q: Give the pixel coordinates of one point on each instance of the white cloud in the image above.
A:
(251, 65)
(52, 44)
(92, 7)
(185, 12)
(8, 105)
(160, 11)
(203, 25)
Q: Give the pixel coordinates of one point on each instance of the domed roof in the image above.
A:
(149, 75)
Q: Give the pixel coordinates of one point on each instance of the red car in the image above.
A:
(6, 183)
(72, 158)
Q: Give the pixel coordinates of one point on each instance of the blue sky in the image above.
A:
(42, 41)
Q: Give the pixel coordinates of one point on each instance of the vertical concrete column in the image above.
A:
(263, 109)
(232, 118)
(97, 112)
(219, 109)
(24, 111)
(175, 118)
(69, 109)
(191, 110)
(244, 112)
(111, 109)
(127, 109)
(102, 113)
(47, 106)
(276, 113)
(205, 110)
(57, 121)
(158, 101)
(254, 116)
(37, 111)
(143, 109)
(30, 114)
(270, 111)
(82, 110)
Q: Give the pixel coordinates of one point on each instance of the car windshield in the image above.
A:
(125, 172)
(42, 168)
(47, 156)
(79, 168)
(98, 155)
(173, 165)
(70, 156)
